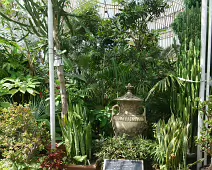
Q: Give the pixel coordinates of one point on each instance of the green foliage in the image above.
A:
(21, 137)
(3, 166)
(19, 87)
(78, 93)
(114, 52)
(6, 164)
(101, 121)
(184, 86)
(11, 60)
(16, 85)
(124, 148)
(39, 108)
(172, 144)
(205, 140)
(122, 51)
(189, 72)
(168, 83)
(188, 23)
(4, 105)
(192, 3)
(76, 131)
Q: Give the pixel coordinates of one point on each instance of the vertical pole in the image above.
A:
(202, 65)
(51, 73)
(208, 64)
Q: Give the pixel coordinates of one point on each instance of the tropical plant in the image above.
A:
(16, 85)
(170, 82)
(4, 103)
(191, 3)
(93, 44)
(188, 70)
(76, 131)
(172, 144)
(184, 86)
(40, 110)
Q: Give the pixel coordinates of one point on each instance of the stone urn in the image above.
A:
(131, 116)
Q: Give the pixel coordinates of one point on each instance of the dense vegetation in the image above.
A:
(100, 56)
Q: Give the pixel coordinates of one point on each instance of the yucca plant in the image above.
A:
(172, 144)
(76, 131)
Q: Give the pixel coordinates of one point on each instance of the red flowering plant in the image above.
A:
(54, 159)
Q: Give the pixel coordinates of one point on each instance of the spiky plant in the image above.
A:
(172, 144)
(76, 131)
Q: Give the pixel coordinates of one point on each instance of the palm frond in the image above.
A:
(169, 82)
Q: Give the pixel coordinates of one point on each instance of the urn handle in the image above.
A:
(144, 113)
(115, 107)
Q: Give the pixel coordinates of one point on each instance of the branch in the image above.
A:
(9, 19)
(23, 37)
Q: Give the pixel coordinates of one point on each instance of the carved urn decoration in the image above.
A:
(129, 120)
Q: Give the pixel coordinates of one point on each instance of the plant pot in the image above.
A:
(81, 167)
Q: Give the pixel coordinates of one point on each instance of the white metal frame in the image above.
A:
(51, 73)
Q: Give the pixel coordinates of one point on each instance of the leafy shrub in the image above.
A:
(21, 137)
(6, 164)
(124, 148)
(205, 140)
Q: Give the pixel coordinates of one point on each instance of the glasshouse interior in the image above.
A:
(105, 84)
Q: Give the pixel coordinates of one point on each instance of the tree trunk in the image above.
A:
(60, 71)
(63, 93)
